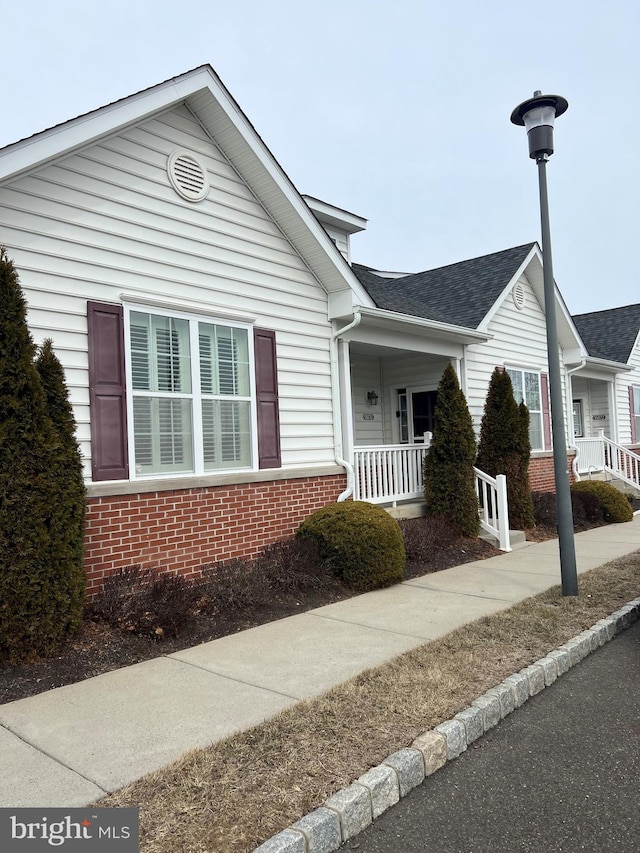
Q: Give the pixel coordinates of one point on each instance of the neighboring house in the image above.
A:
(500, 298)
(230, 371)
(612, 339)
(606, 393)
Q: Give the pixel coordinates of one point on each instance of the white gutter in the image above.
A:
(337, 407)
(461, 333)
(572, 443)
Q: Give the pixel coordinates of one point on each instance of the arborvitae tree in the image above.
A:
(524, 498)
(70, 476)
(36, 607)
(449, 483)
(505, 448)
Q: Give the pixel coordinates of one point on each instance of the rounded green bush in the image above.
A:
(615, 506)
(360, 541)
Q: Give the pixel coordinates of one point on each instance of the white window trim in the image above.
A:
(409, 390)
(635, 415)
(528, 369)
(195, 395)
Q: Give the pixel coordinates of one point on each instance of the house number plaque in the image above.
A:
(368, 417)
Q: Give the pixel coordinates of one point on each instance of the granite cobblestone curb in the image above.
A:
(353, 808)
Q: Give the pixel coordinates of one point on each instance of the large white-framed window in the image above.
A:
(191, 393)
(527, 388)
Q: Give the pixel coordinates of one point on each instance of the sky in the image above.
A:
(397, 111)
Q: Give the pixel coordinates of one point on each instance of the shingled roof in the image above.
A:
(461, 294)
(610, 334)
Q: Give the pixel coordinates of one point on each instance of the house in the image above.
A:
(230, 370)
(612, 340)
(501, 295)
(605, 394)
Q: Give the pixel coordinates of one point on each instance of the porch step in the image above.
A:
(625, 488)
(407, 509)
(517, 538)
(605, 477)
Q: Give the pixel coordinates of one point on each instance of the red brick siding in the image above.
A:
(179, 531)
(541, 476)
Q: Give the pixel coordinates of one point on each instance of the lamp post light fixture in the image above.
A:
(537, 115)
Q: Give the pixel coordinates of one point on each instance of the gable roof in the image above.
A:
(610, 334)
(202, 91)
(461, 293)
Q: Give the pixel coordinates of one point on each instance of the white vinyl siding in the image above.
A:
(341, 240)
(106, 221)
(600, 416)
(519, 341)
(368, 427)
(385, 375)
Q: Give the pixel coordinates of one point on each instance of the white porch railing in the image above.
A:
(602, 454)
(590, 455)
(494, 507)
(389, 473)
(393, 472)
(621, 462)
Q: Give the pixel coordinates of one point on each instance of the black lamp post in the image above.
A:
(537, 115)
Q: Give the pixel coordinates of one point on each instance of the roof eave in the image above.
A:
(606, 365)
(448, 331)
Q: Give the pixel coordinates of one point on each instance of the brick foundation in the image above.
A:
(541, 476)
(181, 530)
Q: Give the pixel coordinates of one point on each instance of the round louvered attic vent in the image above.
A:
(187, 175)
(519, 296)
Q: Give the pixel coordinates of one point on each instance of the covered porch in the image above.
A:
(593, 416)
(390, 391)
(390, 375)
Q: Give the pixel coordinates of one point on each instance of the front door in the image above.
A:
(415, 414)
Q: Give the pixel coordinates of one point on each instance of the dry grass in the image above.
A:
(234, 795)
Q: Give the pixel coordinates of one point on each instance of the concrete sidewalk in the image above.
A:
(70, 746)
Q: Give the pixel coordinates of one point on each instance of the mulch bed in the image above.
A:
(98, 647)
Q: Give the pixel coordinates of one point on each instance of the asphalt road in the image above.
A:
(562, 773)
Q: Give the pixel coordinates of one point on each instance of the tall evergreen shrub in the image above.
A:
(38, 603)
(70, 476)
(505, 447)
(449, 485)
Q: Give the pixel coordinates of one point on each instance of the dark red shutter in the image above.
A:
(632, 410)
(267, 398)
(546, 416)
(107, 392)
